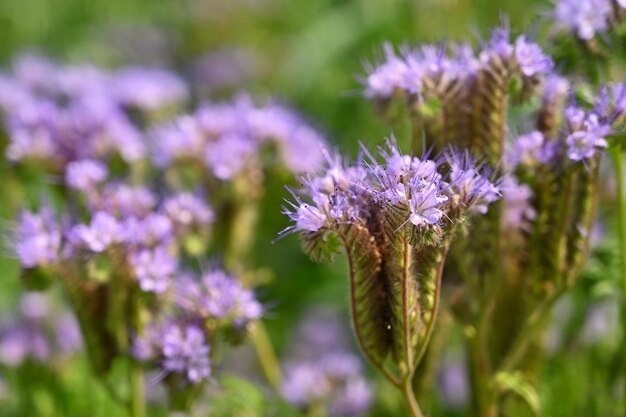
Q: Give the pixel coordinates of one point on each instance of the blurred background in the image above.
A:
(310, 55)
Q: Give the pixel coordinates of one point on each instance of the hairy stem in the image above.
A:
(409, 398)
(618, 162)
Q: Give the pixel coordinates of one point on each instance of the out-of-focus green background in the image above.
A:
(308, 53)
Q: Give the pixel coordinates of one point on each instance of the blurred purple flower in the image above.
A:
(37, 238)
(517, 208)
(148, 88)
(584, 144)
(392, 74)
(68, 336)
(103, 231)
(185, 351)
(154, 268)
(177, 140)
(530, 58)
(187, 211)
(228, 155)
(218, 295)
(85, 175)
(586, 18)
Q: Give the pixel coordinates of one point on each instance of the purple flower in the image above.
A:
(177, 140)
(586, 18)
(530, 149)
(453, 382)
(325, 374)
(555, 88)
(22, 341)
(531, 58)
(499, 45)
(424, 203)
(185, 351)
(468, 185)
(353, 399)
(85, 175)
(124, 200)
(517, 209)
(153, 230)
(34, 306)
(32, 129)
(186, 211)
(37, 238)
(584, 144)
(218, 295)
(103, 231)
(307, 217)
(68, 336)
(227, 156)
(387, 77)
(148, 88)
(153, 268)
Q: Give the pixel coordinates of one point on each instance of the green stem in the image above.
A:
(137, 380)
(479, 376)
(618, 162)
(265, 353)
(409, 398)
(137, 392)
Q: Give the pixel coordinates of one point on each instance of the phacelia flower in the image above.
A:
(148, 88)
(85, 175)
(218, 295)
(154, 269)
(103, 231)
(531, 58)
(387, 77)
(37, 238)
(584, 144)
(518, 211)
(586, 18)
(530, 149)
(185, 351)
(186, 211)
(227, 156)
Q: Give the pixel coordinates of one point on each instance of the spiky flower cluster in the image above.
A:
(430, 69)
(395, 220)
(227, 137)
(61, 114)
(586, 18)
(430, 193)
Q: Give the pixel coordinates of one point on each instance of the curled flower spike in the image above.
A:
(395, 221)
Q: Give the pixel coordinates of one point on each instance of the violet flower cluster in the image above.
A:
(180, 343)
(38, 333)
(59, 114)
(322, 372)
(346, 195)
(227, 137)
(586, 18)
(430, 69)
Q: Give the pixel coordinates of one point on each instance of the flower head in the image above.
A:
(586, 18)
(530, 58)
(37, 238)
(584, 144)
